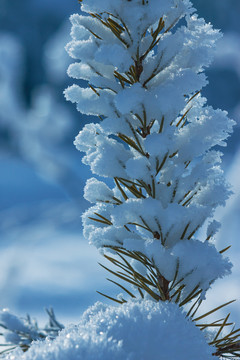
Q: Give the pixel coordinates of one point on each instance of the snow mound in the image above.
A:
(136, 330)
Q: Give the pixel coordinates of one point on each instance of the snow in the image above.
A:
(11, 322)
(136, 330)
(190, 262)
(88, 102)
(173, 219)
(105, 155)
(96, 190)
(138, 168)
(130, 99)
(114, 55)
(200, 263)
(213, 228)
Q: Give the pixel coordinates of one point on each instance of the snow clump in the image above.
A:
(137, 330)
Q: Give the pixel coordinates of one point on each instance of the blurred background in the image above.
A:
(44, 260)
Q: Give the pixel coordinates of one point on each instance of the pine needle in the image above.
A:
(111, 298)
(123, 288)
(214, 310)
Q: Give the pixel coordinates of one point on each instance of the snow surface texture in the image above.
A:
(157, 134)
(133, 331)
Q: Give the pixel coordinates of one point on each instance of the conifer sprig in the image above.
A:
(21, 332)
(162, 195)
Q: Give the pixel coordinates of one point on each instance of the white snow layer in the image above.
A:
(133, 331)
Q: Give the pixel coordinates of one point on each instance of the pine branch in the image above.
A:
(147, 65)
(27, 330)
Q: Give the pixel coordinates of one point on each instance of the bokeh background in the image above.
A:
(44, 260)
